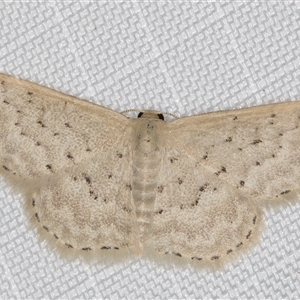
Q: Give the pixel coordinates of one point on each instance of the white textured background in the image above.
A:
(184, 58)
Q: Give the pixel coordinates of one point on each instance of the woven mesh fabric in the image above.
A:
(183, 58)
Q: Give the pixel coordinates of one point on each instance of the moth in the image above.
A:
(193, 189)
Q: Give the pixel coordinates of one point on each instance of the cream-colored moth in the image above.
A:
(96, 182)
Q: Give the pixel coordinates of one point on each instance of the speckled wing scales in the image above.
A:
(198, 216)
(88, 208)
(70, 159)
(193, 188)
(255, 150)
(218, 171)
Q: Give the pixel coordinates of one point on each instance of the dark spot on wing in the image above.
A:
(87, 178)
(37, 217)
(203, 187)
(86, 249)
(195, 202)
(215, 257)
(197, 258)
(41, 123)
(105, 248)
(127, 209)
(254, 220)
(256, 142)
(285, 192)
(223, 170)
(248, 235)
(172, 159)
(160, 189)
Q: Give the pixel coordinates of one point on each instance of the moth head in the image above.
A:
(151, 114)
